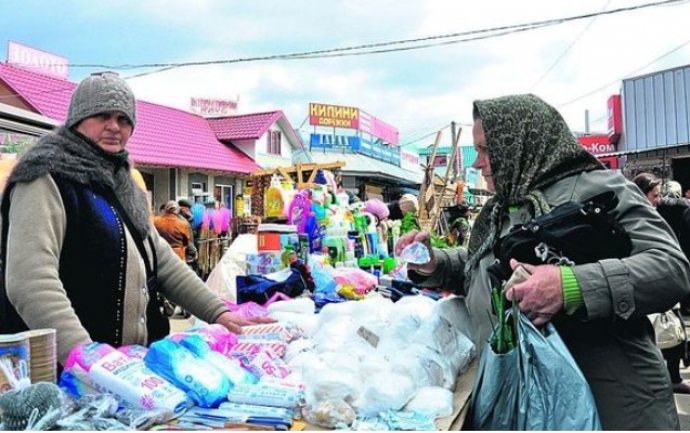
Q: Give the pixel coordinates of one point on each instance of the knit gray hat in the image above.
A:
(98, 93)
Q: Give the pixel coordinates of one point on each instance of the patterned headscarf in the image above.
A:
(530, 147)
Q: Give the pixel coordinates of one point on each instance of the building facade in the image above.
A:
(656, 125)
(375, 165)
(180, 154)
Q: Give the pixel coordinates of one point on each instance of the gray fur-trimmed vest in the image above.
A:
(96, 190)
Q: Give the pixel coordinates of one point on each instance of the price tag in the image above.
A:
(368, 336)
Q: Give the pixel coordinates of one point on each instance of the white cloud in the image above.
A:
(419, 89)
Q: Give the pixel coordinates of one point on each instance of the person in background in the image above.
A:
(398, 208)
(174, 229)
(79, 251)
(674, 210)
(192, 253)
(377, 208)
(186, 213)
(462, 225)
(599, 309)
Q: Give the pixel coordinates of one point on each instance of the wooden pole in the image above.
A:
(436, 212)
(428, 181)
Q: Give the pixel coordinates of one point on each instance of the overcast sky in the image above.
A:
(418, 91)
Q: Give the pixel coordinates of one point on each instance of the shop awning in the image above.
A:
(362, 165)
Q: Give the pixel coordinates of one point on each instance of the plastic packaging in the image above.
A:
(416, 253)
(266, 395)
(203, 383)
(384, 391)
(218, 338)
(299, 305)
(329, 413)
(252, 347)
(230, 368)
(126, 377)
(264, 364)
(432, 401)
(284, 332)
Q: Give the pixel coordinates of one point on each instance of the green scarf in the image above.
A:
(530, 147)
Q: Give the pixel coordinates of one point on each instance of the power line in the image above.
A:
(343, 52)
(416, 140)
(362, 49)
(567, 50)
(625, 76)
(355, 50)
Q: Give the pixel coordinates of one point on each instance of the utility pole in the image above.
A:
(452, 138)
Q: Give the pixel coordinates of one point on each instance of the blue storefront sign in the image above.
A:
(330, 141)
(356, 144)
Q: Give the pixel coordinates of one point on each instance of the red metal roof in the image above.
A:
(244, 126)
(163, 136)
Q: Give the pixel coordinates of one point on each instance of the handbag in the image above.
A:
(668, 328)
(566, 236)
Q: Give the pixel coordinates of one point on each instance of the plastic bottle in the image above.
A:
(343, 198)
(312, 230)
(298, 211)
(330, 245)
(358, 248)
(366, 264)
(275, 199)
(382, 246)
(288, 255)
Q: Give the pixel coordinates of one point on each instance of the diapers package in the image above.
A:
(206, 385)
(128, 378)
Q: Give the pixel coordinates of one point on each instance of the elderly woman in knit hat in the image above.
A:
(79, 250)
(531, 160)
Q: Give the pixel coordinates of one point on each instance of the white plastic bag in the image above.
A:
(433, 401)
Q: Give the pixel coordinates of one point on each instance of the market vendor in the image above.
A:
(79, 250)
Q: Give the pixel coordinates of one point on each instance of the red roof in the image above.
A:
(244, 126)
(163, 136)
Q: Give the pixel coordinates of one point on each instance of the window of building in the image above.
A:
(224, 195)
(273, 138)
(15, 142)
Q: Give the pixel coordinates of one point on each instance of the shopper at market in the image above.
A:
(674, 210)
(398, 208)
(174, 229)
(192, 251)
(533, 163)
(186, 214)
(80, 253)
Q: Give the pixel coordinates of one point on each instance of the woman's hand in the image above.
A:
(424, 238)
(234, 322)
(539, 295)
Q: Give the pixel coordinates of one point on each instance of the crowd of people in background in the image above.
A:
(675, 210)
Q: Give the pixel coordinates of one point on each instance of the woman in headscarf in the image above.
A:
(533, 163)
